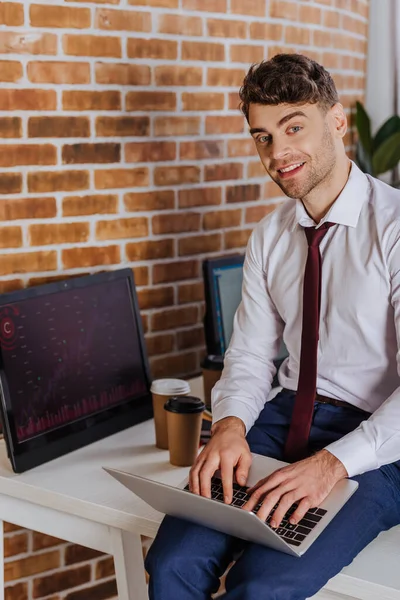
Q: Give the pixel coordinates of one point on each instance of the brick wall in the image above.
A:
(121, 144)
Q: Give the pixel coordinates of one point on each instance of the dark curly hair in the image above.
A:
(287, 78)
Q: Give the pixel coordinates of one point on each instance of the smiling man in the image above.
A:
(323, 272)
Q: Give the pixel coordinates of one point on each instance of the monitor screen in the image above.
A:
(69, 355)
(228, 293)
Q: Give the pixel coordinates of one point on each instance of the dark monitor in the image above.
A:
(73, 366)
(223, 279)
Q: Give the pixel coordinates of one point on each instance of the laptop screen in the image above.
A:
(69, 355)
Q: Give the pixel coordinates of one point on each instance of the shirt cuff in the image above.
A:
(229, 408)
(355, 452)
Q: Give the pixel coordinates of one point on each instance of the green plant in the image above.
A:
(379, 153)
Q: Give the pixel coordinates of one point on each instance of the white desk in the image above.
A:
(72, 498)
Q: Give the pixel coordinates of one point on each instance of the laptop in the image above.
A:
(290, 539)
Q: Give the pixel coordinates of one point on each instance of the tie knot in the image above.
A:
(314, 236)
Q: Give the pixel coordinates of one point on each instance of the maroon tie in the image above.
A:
(297, 440)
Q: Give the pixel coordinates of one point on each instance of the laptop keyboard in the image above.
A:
(292, 534)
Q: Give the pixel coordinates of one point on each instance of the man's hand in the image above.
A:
(226, 450)
(307, 482)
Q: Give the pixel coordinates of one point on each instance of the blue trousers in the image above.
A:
(186, 560)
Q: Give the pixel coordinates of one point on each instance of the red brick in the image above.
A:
(177, 24)
(67, 17)
(155, 297)
(150, 151)
(260, 30)
(222, 219)
(63, 580)
(16, 544)
(40, 541)
(11, 14)
(190, 292)
(178, 222)
(10, 237)
(122, 74)
(233, 101)
(96, 1)
(91, 100)
(223, 171)
(256, 213)
(23, 43)
(297, 35)
(27, 208)
(10, 127)
(10, 183)
(58, 233)
(95, 204)
(207, 196)
(73, 258)
(58, 72)
(279, 9)
(247, 54)
(204, 51)
(58, 127)
(176, 175)
(10, 285)
(10, 71)
(27, 99)
(225, 124)
(242, 193)
(156, 3)
(153, 48)
(175, 365)
(19, 591)
(117, 229)
(12, 155)
(255, 169)
(331, 18)
(161, 200)
(175, 271)
(310, 14)
(191, 338)
(202, 101)
(122, 126)
(242, 147)
(145, 101)
(199, 244)
(173, 318)
(121, 178)
(203, 149)
(150, 250)
(225, 77)
(159, 344)
(122, 20)
(53, 181)
(255, 8)
(236, 238)
(108, 589)
(75, 554)
(178, 75)
(226, 29)
(92, 45)
(10, 527)
(219, 6)
(31, 565)
(176, 126)
(91, 153)
(141, 275)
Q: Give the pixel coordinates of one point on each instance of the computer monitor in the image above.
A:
(223, 278)
(73, 365)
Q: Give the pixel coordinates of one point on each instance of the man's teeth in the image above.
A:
(287, 169)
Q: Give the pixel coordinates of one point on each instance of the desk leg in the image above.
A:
(1, 560)
(129, 568)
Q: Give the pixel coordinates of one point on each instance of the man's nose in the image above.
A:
(279, 149)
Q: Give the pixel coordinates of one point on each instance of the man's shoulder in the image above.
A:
(385, 199)
(280, 218)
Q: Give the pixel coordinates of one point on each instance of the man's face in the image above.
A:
(297, 144)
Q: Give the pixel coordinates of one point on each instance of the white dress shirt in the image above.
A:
(358, 348)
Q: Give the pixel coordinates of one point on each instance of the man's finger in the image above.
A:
(194, 485)
(303, 507)
(285, 502)
(207, 471)
(242, 469)
(227, 479)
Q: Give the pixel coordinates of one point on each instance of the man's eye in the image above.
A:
(295, 128)
(263, 139)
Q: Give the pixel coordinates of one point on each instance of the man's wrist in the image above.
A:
(231, 423)
(334, 465)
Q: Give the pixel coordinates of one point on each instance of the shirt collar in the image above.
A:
(347, 207)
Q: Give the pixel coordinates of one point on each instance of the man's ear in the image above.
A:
(339, 119)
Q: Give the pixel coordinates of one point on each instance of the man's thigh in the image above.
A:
(375, 507)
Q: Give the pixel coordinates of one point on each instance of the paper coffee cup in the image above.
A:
(184, 419)
(211, 366)
(161, 390)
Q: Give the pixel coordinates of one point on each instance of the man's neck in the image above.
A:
(318, 202)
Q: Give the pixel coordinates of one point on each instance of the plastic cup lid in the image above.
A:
(184, 405)
(170, 387)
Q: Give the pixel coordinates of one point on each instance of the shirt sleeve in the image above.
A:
(257, 332)
(376, 441)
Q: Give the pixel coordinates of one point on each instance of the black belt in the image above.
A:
(327, 400)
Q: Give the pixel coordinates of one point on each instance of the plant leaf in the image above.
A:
(363, 125)
(363, 159)
(390, 127)
(387, 156)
